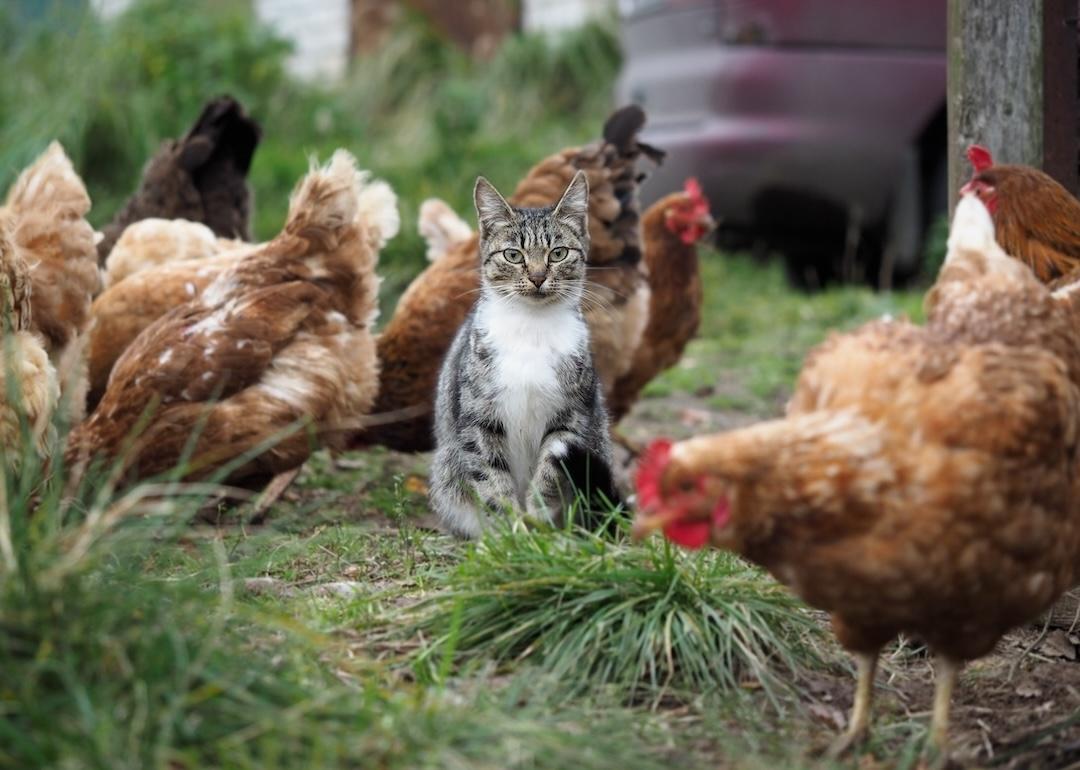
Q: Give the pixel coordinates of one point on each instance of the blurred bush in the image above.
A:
(420, 112)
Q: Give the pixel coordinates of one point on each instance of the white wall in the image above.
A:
(318, 29)
(550, 15)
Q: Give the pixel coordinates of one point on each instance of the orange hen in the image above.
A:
(1036, 219)
(275, 356)
(924, 479)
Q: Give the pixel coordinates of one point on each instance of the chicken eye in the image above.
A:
(559, 254)
(513, 256)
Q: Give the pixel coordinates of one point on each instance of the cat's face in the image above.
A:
(534, 254)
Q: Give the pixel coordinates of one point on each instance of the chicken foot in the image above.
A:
(859, 725)
(945, 673)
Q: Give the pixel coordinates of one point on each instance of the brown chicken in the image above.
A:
(32, 397)
(670, 229)
(412, 345)
(201, 177)
(275, 356)
(923, 481)
(46, 212)
(151, 243)
(1036, 219)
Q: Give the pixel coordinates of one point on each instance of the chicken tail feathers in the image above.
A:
(379, 212)
(50, 182)
(326, 200)
(621, 131)
(222, 129)
(441, 228)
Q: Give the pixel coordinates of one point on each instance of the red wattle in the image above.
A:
(650, 471)
(688, 534)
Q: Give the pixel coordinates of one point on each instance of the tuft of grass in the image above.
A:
(640, 621)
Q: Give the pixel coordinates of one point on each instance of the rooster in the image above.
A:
(415, 340)
(1036, 219)
(924, 480)
(201, 177)
(670, 229)
(274, 355)
(46, 212)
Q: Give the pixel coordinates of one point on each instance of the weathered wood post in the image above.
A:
(1012, 85)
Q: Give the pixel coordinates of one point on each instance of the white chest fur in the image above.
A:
(528, 345)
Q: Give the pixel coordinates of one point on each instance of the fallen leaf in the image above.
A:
(417, 485)
(830, 715)
(1028, 689)
(1057, 645)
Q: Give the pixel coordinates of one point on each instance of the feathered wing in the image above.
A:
(276, 353)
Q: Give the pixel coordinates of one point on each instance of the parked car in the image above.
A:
(816, 127)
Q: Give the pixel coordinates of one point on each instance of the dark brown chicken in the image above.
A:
(924, 480)
(412, 345)
(1036, 219)
(201, 177)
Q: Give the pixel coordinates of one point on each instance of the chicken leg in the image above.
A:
(859, 724)
(945, 673)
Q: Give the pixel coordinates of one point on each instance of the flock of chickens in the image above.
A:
(170, 339)
(924, 479)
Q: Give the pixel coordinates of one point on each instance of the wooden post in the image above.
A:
(1012, 85)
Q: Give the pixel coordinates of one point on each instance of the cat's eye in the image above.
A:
(559, 254)
(513, 256)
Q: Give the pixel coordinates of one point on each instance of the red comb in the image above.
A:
(692, 188)
(650, 470)
(979, 157)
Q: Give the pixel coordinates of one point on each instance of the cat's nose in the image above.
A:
(538, 278)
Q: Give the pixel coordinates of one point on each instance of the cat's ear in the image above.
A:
(492, 210)
(573, 207)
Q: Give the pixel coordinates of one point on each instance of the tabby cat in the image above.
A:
(520, 423)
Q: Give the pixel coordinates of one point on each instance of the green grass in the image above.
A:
(756, 330)
(641, 622)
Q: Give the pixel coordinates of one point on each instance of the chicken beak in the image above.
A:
(708, 223)
(647, 523)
